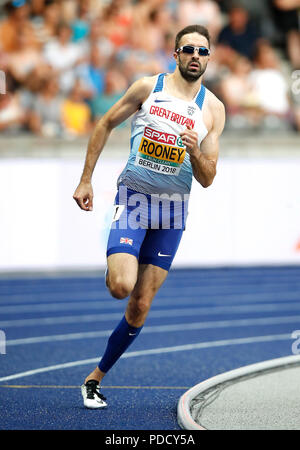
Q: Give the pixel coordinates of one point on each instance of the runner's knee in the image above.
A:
(120, 287)
(137, 310)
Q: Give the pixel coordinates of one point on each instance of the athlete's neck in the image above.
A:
(177, 86)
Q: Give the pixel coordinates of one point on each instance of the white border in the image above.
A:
(184, 417)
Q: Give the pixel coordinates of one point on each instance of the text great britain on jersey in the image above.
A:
(171, 115)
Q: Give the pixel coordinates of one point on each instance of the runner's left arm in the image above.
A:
(204, 159)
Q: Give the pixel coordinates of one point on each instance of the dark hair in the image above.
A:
(192, 29)
(61, 25)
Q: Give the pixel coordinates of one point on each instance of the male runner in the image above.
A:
(175, 134)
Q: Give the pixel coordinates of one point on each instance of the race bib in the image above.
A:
(160, 152)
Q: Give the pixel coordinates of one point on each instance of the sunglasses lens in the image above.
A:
(203, 51)
(188, 49)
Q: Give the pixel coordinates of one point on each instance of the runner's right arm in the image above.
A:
(122, 109)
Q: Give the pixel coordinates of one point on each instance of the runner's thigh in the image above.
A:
(122, 268)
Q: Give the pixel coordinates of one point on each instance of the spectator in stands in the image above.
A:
(92, 73)
(287, 19)
(37, 7)
(81, 25)
(152, 31)
(236, 88)
(202, 12)
(17, 20)
(68, 10)
(98, 37)
(165, 54)
(260, 14)
(240, 34)
(136, 60)
(76, 115)
(270, 87)
(47, 22)
(117, 17)
(63, 56)
(32, 86)
(115, 87)
(46, 116)
(25, 58)
(12, 116)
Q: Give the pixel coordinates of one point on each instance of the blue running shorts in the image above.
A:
(146, 226)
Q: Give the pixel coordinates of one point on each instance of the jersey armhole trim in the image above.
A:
(159, 83)
(200, 97)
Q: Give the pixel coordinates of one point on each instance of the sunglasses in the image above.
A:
(189, 49)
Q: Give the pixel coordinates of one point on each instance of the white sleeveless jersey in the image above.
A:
(158, 162)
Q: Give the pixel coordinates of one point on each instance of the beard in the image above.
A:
(191, 75)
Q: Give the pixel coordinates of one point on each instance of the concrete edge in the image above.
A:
(184, 417)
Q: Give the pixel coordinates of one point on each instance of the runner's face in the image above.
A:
(192, 66)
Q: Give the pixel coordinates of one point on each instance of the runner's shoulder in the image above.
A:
(148, 82)
(214, 112)
(214, 103)
(144, 86)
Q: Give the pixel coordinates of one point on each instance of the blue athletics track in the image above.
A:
(203, 322)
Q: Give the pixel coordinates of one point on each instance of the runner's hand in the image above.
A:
(84, 196)
(190, 140)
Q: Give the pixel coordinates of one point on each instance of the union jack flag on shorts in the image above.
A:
(126, 241)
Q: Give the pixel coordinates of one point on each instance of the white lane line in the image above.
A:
(191, 275)
(166, 292)
(155, 313)
(155, 351)
(52, 386)
(32, 296)
(160, 329)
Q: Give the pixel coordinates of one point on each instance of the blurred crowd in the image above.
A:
(66, 62)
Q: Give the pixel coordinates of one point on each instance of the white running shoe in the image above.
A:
(92, 398)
